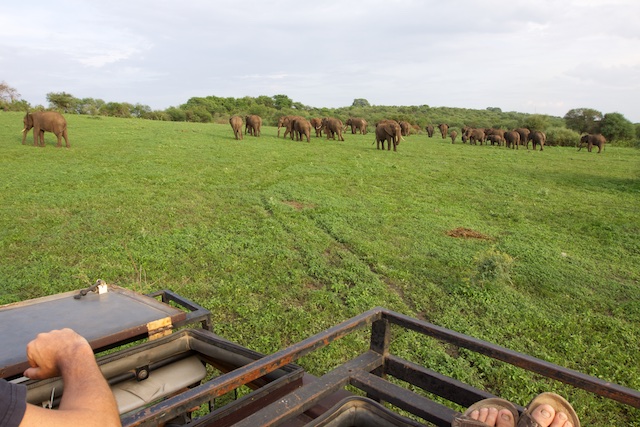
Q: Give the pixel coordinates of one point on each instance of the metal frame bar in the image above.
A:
(368, 372)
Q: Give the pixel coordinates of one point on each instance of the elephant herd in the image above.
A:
(511, 138)
(392, 132)
(501, 137)
(389, 131)
(297, 127)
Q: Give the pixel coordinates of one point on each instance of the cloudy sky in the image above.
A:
(532, 56)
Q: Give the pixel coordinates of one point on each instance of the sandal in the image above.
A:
(558, 403)
(464, 420)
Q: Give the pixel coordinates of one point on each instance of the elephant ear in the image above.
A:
(389, 130)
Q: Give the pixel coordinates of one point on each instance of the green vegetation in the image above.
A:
(561, 132)
(281, 239)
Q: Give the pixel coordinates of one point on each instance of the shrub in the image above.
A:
(492, 266)
(562, 137)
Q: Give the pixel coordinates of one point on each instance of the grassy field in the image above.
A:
(281, 239)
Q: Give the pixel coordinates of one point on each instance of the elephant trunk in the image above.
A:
(24, 135)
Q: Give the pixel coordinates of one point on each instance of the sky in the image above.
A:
(539, 56)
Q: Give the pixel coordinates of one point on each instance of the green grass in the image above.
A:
(281, 239)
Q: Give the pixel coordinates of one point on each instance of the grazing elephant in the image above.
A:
(593, 139)
(357, 124)
(429, 130)
(537, 138)
(405, 127)
(444, 129)
(390, 131)
(316, 123)
(253, 125)
(495, 139)
(453, 134)
(236, 125)
(300, 126)
(333, 127)
(512, 139)
(524, 136)
(45, 121)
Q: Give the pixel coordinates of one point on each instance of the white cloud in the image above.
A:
(533, 56)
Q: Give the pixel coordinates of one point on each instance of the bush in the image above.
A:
(492, 266)
(562, 137)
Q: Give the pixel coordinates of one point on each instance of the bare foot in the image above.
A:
(494, 417)
(546, 416)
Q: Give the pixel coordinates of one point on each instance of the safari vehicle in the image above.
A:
(166, 366)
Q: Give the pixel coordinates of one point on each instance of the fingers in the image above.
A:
(48, 350)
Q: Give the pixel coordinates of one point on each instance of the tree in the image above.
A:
(583, 120)
(282, 101)
(615, 126)
(536, 122)
(62, 101)
(360, 102)
(7, 93)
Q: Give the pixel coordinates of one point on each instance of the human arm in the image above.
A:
(87, 399)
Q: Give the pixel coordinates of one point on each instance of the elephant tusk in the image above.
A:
(24, 130)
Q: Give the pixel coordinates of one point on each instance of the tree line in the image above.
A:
(564, 131)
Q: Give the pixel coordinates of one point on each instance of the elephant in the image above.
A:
(524, 136)
(494, 131)
(45, 121)
(300, 126)
(429, 130)
(512, 139)
(593, 139)
(253, 124)
(282, 122)
(357, 124)
(495, 138)
(405, 127)
(333, 127)
(474, 135)
(537, 138)
(453, 134)
(236, 125)
(316, 123)
(390, 131)
(444, 129)
(287, 123)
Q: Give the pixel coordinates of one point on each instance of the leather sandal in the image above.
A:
(558, 403)
(464, 420)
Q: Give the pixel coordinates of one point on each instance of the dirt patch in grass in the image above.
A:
(467, 233)
(297, 205)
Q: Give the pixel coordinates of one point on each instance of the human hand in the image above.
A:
(49, 352)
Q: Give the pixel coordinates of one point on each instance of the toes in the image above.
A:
(561, 420)
(505, 419)
(544, 415)
(485, 415)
